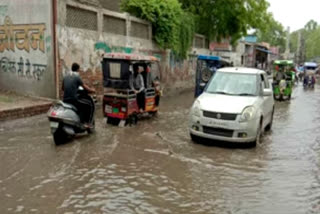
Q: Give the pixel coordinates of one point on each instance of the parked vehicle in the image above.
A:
(120, 106)
(206, 67)
(236, 106)
(283, 79)
(309, 79)
(65, 121)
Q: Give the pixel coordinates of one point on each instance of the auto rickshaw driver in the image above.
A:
(280, 74)
(137, 85)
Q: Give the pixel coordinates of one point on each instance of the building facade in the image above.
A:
(27, 47)
(40, 39)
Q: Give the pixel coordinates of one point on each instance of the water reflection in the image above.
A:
(155, 168)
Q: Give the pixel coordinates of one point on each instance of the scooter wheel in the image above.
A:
(93, 128)
(60, 137)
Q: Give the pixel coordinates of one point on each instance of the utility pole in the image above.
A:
(302, 49)
(298, 53)
(287, 52)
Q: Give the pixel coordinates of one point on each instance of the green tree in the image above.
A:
(273, 33)
(313, 44)
(311, 25)
(293, 44)
(172, 27)
(310, 35)
(227, 18)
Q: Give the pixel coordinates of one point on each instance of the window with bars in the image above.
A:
(139, 30)
(198, 43)
(113, 5)
(81, 18)
(114, 25)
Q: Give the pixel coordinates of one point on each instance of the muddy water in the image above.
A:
(155, 168)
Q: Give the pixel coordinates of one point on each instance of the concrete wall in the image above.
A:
(82, 43)
(86, 30)
(26, 47)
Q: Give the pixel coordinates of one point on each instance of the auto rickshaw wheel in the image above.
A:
(281, 97)
(153, 113)
(113, 121)
(133, 119)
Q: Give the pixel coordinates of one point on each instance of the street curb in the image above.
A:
(22, 112)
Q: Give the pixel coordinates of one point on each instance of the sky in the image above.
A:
(295, 13)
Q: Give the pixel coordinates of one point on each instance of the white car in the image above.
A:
(237, 106)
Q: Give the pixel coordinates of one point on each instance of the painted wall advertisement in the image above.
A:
(26, 55)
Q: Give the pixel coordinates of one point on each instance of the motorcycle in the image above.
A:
(308, 82)
(65, 121)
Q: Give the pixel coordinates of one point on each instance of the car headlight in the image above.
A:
(248, 114)
(196, 109)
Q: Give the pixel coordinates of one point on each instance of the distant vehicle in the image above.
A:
(65, 120)
(206, 66)
(120, 105)
(283, 79)
(309, 79)
(236, 106)
(310, 67)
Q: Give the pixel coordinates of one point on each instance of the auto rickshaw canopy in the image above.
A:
(130, 57)
(283, 62)
(311, 64)
(208, 57)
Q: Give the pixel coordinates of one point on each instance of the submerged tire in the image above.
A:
(269, 126)
(194, 138)
(60, 137)
(93, 128)
(154, 113)
(259, 135)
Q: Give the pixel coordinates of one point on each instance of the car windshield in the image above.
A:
(233, 84)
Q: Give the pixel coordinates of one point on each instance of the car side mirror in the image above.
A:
(267, 92)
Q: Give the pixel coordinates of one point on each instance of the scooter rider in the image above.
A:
(70, 85)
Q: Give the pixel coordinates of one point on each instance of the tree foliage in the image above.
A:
(312, 38)
(227, 18)
(172, 27)
(310, 35)
(273, 33)
(311, 25)
(175, 21)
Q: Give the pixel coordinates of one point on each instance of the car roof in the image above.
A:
(242, 70)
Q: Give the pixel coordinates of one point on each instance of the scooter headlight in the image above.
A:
(247, 114)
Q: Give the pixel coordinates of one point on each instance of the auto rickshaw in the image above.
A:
(120, 105)
(206, 66)
(283, 79)
(309, 79)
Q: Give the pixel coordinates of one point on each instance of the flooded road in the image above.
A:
(155, 168)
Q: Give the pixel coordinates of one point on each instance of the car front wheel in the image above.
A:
(259, 135)
(194, 138)
(269, 126)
